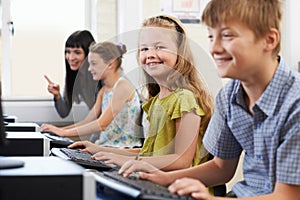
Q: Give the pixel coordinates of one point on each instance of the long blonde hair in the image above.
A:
(185, 73)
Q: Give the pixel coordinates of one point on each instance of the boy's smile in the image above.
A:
(236, 51)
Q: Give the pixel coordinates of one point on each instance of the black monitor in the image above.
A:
(6, 162)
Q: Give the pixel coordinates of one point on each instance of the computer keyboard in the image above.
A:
(82, 158)
(57, 141)
(134, 187)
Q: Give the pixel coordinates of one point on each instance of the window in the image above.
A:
(37, 44)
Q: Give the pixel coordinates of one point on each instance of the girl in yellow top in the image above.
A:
(163, 113)
(179, 106)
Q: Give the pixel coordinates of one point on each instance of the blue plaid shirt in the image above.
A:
(270, 138)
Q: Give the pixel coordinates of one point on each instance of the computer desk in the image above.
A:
(22, 127)
(51, 178)
(10, 118)
(25, 144)
(25, 140)
(47, 178)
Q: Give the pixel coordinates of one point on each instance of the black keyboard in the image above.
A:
(82, 158)
(134, 187)
(57, 141)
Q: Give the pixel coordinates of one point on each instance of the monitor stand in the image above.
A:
(8, 163)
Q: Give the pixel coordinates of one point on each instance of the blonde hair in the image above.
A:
(185, 73)
(259, 15)
(109, 51)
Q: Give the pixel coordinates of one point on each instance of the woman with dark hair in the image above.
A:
(79, 83)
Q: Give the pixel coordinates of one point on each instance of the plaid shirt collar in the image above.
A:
(269, 99)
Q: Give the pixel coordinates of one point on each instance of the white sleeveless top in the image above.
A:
(121, 131)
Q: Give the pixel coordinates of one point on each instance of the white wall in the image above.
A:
(41, 110)
(291, 31)
(37, 46)
(106, 19)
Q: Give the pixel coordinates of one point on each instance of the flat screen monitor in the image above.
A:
(6, 162)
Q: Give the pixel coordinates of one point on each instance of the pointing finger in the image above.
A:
(49, 81)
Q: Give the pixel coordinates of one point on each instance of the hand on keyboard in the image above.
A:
(112, 158)
(190, 186)
(53, 129)
(84, 159)
(86, 146)
(146, 171)
(136, 187)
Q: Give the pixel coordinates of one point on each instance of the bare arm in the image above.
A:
(194, 180)
(187, 129)
(214, 172)
(197, 190)
(93, 148)
(93, 114)
(123, 93)
(185, 143)
(69, 131)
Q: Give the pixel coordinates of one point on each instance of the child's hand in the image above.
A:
(111, 158)
(145, 171)
(189, 186)
(53, 129)
(85, 146)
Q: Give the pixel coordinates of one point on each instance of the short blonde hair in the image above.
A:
(259, 15)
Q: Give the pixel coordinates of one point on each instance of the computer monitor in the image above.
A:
(6, 162)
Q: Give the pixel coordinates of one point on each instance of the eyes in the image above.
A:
(225, 36)
(75, 51)
(144, 49)
(93, 63)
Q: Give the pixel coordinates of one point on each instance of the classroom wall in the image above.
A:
(106, 19)
(38, 43)
(41, 110)
(291, 32)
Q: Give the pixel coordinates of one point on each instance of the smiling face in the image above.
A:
(97, 66)
(236, 50)
(157, 51)
(75, 57)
